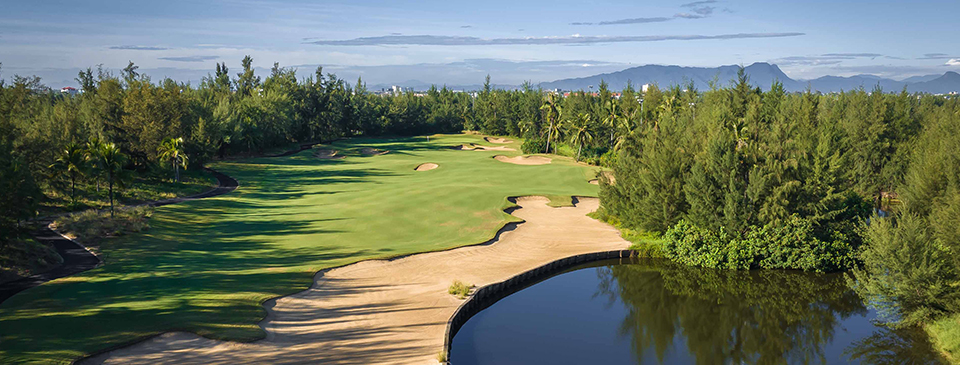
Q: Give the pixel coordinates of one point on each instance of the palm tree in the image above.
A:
(612, 117)
(581, 132)
(553, 114)
(92, 154)
(111, 163)
(72, 162)
(172, 149)
(626, 127)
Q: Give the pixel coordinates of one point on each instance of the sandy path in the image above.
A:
(389, 312)
(523, 160)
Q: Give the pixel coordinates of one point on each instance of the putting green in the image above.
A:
(205, 266)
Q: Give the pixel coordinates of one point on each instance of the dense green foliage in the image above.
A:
(740, 178)
(911, 267)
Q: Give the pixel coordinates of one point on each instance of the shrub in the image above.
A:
(788, 244)
(534, 145)
(459, 289)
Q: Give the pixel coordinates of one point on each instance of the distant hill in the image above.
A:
(761, 74)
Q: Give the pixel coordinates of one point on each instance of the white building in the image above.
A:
(69, 90)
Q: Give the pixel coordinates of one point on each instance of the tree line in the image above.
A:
(730, 177)
(739, 178)
(126, 125)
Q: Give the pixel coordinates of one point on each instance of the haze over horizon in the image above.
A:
(457, 44)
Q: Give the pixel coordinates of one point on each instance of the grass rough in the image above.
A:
(945, 334)
(91, 226)
(24, 257)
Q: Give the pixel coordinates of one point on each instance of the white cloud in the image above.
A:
(953, 62)
(435, 40)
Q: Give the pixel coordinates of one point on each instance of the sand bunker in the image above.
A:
(388, 312)
(367, 151)
(427, 166)
(594, 182)
(497, 140)
(476, 147)
(523, 160)
(325, 154)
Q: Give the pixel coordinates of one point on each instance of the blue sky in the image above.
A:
(458, 43)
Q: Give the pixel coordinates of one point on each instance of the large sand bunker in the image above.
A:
(388, 312)
(325, 154)
(523, 160)
(476, 147)
(367, 151)
(427, 166)
(497, 140)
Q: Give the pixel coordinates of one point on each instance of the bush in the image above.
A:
(533, 145)
(459, 289)
(789, 244)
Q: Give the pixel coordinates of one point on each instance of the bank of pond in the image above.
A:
(652, 311)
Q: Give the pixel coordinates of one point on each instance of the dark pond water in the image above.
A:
(657, 312)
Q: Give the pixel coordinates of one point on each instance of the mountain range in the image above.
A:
(761, 74)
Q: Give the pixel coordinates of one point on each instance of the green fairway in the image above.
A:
(205, 266)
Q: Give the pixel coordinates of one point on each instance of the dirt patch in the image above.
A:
(367, 151)
(427, 166)
(476, 147)
(325, 154)
(523, 160)
(497, 140)
(396, 312)
(594, 182)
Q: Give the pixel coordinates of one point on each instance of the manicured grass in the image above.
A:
(205, 266)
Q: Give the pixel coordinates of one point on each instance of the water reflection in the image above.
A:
(660, 312)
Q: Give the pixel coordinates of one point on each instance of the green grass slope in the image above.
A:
(205, 266)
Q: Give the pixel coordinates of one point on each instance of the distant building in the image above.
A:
(644, 88)
(69, 90)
